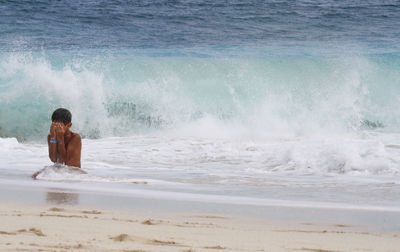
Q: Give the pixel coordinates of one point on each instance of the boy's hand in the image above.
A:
(53, 128)
(60, 130)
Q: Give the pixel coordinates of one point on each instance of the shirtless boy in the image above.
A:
(64, 145)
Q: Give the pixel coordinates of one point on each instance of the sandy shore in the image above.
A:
(55, 228)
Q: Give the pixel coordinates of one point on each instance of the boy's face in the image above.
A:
(60, 126)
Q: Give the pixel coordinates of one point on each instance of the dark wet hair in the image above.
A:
(62, 115)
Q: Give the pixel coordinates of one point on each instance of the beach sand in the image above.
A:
(27, 227)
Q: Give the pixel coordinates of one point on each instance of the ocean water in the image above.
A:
(263, 102)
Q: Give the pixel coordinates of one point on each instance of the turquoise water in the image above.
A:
(130, 92)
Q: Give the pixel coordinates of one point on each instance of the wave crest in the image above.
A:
(119, 95)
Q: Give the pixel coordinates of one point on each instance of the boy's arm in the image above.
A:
(52, 149)
(61, 145)
(52, 146)
(74, 151)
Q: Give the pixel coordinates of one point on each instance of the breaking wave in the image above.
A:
(128, 93)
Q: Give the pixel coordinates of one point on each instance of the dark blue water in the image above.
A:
(85, 24)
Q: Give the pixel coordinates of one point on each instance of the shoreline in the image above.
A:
(374, 219)
(142, 190)
(35, 218)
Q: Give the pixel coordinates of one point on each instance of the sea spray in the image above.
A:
(119, 95)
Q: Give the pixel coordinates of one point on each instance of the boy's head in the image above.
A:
(62, 115)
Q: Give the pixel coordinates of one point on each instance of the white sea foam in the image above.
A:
(361, 169)
(64, 173)
(228, 156)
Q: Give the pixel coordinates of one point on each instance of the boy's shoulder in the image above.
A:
(76, 136)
